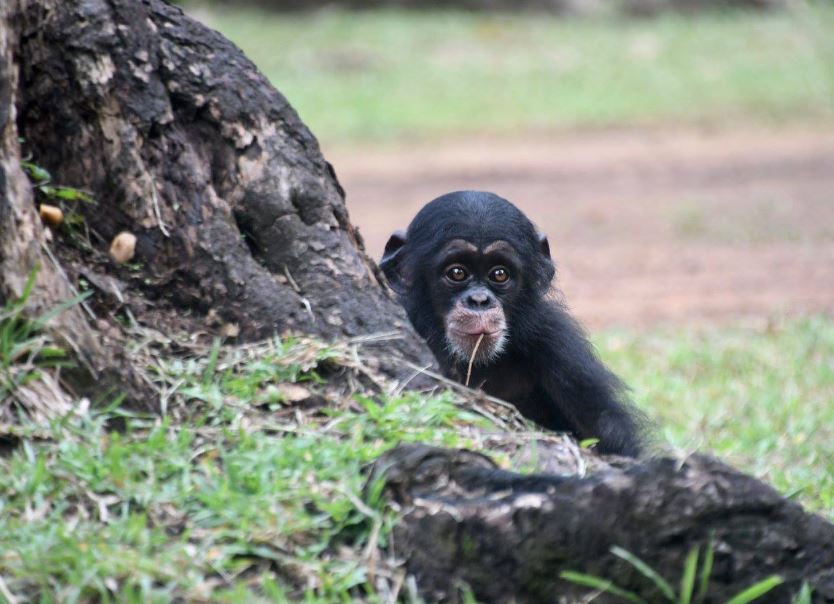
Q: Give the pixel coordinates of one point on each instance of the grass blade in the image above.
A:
(646, 571)
(756, 590)
(706, 571)
(602, 585)
(804, 595)
(688, 578)
(46, 317)
(211, 365)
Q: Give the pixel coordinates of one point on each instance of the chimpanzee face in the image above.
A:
(468, 266)
(470, 287)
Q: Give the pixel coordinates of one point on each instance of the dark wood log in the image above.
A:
(240, 223)
(508, 536)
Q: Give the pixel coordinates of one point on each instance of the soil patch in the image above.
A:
(646, 226)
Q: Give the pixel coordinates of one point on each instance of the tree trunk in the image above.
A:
(240, 224)
(102, 367)
(508, 536)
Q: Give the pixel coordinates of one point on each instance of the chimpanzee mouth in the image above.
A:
(462, 343)
(477, 334)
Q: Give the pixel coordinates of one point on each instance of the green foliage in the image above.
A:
(687, 584)
(41, 178)
(395, 74)
(600, 584)
(223, 503)
(804, 595)
(235, 495)
(649, 573)
(756, 591)
(24, 349)
(67, 199)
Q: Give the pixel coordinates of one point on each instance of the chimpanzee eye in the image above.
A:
(456, 273)
(499, 274)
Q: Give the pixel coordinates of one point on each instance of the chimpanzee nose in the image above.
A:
(479, 300)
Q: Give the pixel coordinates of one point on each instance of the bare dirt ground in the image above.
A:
(646, 226)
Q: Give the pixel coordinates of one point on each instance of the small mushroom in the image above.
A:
(230, 330)
(123, 247)
(51, 215)
(293, 393)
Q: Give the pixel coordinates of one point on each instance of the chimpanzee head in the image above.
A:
(468, 263)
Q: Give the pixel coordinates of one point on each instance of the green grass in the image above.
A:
(762, 399)
(693, 584)
(232, 496)
(218, 500)
(388, 74)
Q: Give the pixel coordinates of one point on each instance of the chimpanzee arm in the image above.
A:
(591, 398)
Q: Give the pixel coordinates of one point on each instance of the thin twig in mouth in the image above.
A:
(468, 333)
(472, 359)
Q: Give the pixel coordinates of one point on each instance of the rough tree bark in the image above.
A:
(508, 535)
(240, 223)
(102, 367)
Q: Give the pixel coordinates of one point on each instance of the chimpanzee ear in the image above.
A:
(544, 245)
(546, 268)
(392, 264)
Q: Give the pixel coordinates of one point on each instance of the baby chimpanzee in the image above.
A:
(473, 273)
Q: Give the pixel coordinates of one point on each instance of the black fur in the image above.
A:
(547, 368)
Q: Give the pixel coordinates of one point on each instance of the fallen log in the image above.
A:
(508, 536)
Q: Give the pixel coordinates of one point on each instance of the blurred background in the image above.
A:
(678, 153)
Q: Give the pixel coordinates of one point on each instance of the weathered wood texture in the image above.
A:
(102, 368)
(508, 535)
(239, 219)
